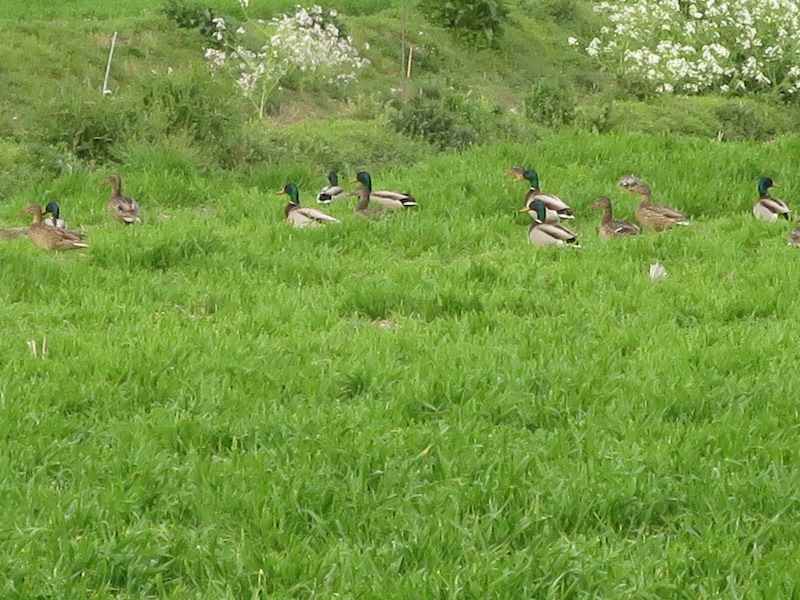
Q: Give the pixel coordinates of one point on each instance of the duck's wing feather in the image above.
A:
(316, 215)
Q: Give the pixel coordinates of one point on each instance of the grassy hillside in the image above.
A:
(214, 405)
(222, 407)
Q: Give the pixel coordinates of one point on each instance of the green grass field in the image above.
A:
(214, 405)
(223, 407)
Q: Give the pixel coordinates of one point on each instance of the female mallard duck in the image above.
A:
(388, 200)
(301, 216)
(363, 209)
(331, 192)
(122, 208)
(794, 237)
(542, 233)
(556, 208)
(768, 208)
(54, 219)
(48, 237)
(611, 227)
(656, 217)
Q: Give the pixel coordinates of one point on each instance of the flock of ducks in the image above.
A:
(52, 233)
(546, 210)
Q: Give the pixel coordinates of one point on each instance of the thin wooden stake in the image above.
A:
(107, 91)
(410, 58)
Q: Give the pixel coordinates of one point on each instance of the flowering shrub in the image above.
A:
(310, 42)
(691, 46)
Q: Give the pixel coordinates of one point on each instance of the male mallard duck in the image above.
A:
(656, 217)
(122, 208)
(794, 237)
(54, 219)
(388, 200)
(331, 192)
(768, 208)
(542, 233)
(301, 216)
(556, 208)
(611, 227)
(51, 238)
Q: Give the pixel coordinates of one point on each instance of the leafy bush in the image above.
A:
(190, 15)
(479, 22)
(596, 117)
(436, 120)
(549, 104)
(739, 122)
(87, 126)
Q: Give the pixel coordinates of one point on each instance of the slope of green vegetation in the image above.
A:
(222, 407)
(214, 405)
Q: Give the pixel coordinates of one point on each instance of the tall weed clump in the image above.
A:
(449, 119)
(549, 103)
(155, 107)
(477, 22)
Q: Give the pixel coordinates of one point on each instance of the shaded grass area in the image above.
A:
(420, 407)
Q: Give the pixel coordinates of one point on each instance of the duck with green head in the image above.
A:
(557, 209)
(362, 192)
(541, 233)
(54, 220)
(386, 199)
(301, 216)
(768, 208)
(332, 191)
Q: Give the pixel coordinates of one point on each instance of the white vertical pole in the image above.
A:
(107, 91)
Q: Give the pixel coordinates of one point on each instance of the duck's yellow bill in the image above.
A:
(281, 191)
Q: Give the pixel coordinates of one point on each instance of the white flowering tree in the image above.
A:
(693, 46)
(308, 43)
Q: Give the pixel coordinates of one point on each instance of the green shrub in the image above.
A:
(87, 126)
(549, 104)
(559, 10)
(190, 15)
(479, 22)
(439, 121)
(739, 122)
(596, 117)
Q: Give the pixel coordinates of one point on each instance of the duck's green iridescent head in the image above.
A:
(540, 209)
(52, 208)
(333, 178)
(291, 190)
(764, 184)
(364, 178)
(532, 177)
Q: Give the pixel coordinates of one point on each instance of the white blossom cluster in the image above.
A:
(313, 44)
(308, 42)
(691, 46)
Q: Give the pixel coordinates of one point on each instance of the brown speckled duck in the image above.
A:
(302, 216)
(655, 217)
(611, 227)
(48, 237)
(122, 208)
